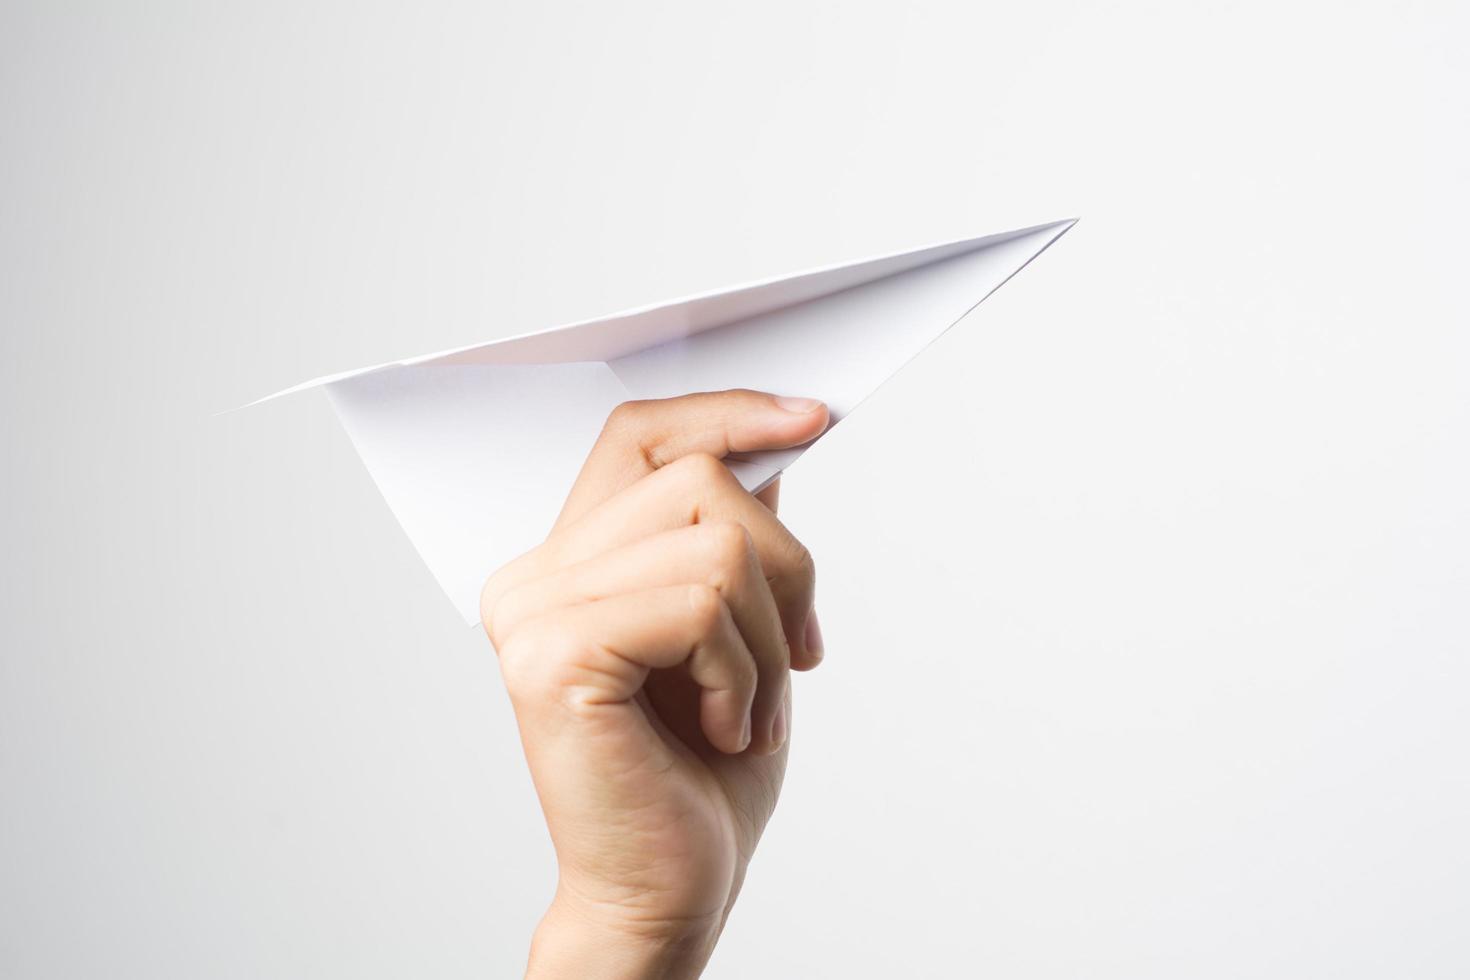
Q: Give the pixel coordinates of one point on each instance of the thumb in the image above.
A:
(642, 436)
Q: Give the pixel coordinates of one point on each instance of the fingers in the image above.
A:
(593, 658)
(653, 511)
(698, 489)
(643, 436)
(719, 555)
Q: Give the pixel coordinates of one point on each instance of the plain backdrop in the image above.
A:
(1145, 589)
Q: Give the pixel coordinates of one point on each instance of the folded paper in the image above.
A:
(475, 448)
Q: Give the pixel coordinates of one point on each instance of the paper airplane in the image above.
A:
(475, 448)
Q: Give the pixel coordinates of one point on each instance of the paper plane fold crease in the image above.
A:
(474, 448)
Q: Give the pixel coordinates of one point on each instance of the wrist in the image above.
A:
(577, 940)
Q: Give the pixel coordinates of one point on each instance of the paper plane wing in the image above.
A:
(475, 448)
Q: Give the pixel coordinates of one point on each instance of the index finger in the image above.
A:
(642, 436)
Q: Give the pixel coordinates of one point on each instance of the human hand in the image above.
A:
(646, 645)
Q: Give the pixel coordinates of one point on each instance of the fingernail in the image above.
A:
(798, 406)
(745, 733)
(778, 729)
(813, 636)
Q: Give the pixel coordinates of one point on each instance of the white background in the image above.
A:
(1145, 590)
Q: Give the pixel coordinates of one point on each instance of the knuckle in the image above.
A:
(633, 425)
(729, 544)
(490, 594)
(503, 581)
(701, 469)
(744, 672)
(517, 656)
(626, 414)
(706, 607)
(502, 614)
(534, 661)
(803, 566)
(800, 570)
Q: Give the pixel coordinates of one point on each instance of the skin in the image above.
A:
(647, 646)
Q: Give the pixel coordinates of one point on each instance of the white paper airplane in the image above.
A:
(474, 449)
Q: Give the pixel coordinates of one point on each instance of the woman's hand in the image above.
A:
(646, 646)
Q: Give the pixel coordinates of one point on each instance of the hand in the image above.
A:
(646, 646)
